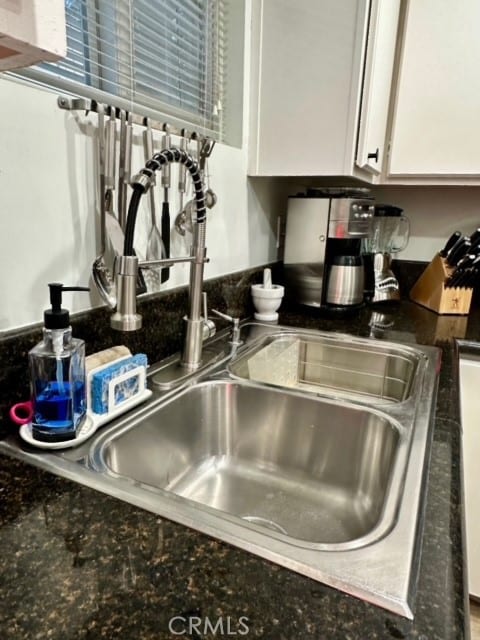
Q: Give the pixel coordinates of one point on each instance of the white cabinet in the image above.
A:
(382, 36)
(31, 32)
(470, 404)
(308, 73)
(436, 126)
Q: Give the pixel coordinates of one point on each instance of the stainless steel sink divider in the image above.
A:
(383, 378)
(359, 372)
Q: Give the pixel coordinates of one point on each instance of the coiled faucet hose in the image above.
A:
(166, 156)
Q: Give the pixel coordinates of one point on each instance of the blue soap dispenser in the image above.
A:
(57, 374)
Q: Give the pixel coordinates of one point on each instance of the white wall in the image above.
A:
(49, 216)
(435, 213)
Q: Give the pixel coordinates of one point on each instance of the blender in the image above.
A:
(389, 234)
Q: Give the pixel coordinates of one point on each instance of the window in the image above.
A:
(163, 58)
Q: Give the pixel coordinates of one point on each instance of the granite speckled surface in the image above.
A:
(75, 564)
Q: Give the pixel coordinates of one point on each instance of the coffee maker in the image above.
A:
(389, 235)
(323, 259)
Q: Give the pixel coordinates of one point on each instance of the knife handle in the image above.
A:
(474, 278)
(458, 251)
(454, 238)
(466, 261)
(463, 278)
(475, 236)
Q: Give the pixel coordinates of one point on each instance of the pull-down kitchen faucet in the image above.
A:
(126, 317)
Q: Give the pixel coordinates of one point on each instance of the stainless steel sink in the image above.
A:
(324, 474)
(330, 366)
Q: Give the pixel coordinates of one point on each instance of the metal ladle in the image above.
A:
(184, 220)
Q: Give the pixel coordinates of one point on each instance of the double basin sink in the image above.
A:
(306, 448)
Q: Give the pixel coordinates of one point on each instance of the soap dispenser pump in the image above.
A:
(57, 374)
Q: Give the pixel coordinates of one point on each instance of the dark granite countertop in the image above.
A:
(76, 564)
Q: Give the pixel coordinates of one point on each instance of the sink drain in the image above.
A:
(264, 522)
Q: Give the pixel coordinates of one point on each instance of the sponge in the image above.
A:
(123, 390)
(107, 355)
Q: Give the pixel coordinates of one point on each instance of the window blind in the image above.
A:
(161, 58)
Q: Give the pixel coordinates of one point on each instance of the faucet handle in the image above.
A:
(205, 305)
(225, 316)
(209, 328)
(236, 326)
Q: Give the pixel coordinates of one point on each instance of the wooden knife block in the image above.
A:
(430, 290)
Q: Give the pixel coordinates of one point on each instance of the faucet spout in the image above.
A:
(194, 322)
(126, 317)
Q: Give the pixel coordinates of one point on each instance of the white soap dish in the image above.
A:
(92, 422)
(95, 420)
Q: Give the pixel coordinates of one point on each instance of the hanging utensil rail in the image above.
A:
(84, 104)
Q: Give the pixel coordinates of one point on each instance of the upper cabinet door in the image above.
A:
(307, 68)
(382, 38)
(311, 59)
(436, 117)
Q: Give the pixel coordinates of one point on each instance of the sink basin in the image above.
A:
(306, 448)
(304, 468)
(331, 366)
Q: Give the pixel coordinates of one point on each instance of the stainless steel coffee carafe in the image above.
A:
(346, 281)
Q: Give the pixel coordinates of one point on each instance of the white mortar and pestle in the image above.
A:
(267, 298)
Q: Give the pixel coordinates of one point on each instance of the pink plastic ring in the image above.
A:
(25, 412)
